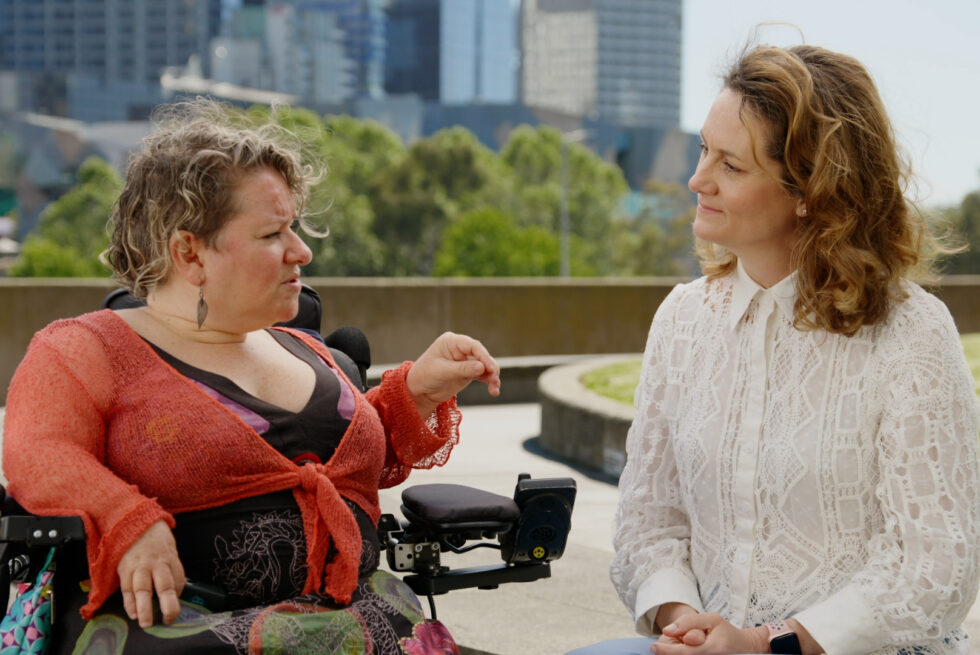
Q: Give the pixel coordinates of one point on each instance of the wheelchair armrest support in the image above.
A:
(481, 577)
(34, 531)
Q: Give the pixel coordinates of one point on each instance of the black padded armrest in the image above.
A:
(446, 504)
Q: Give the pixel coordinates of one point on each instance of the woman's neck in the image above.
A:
(767, 271)
(175, 312)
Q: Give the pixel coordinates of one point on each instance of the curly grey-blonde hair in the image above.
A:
(185, 178)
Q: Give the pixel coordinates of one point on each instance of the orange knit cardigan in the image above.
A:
(97, 425)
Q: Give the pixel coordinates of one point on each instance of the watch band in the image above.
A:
(782, 639)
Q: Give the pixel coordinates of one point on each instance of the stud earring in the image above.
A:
(803, 213)
(202, 307)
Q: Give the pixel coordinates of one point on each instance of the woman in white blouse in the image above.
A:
(802, 472)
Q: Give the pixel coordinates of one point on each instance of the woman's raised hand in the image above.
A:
(446, 367)
(151, 565)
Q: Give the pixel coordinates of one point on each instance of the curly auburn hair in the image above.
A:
(828, 130)
(185, 178)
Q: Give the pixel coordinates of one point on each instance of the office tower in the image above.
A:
(99, 59)
(321, 51)
(615, 60)
(452, 51)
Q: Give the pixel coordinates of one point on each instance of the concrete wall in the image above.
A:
(580, 425)
(512, 316)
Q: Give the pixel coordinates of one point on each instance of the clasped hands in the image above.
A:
(704, 634)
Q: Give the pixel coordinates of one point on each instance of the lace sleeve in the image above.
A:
(412, 442)
(652, 531)
(921, 579)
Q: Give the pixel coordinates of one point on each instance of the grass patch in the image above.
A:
(971, 346)
(618, 381)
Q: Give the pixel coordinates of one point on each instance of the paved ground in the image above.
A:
(577, 605)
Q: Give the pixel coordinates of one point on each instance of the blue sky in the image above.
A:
(925, 57)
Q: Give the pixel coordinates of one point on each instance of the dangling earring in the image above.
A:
(202, 307)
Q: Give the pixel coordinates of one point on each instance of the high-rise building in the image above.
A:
(99, 59)
(453, 51)
(321, 51)
(615, 60)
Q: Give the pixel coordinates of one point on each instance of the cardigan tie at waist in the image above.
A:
(326, 518)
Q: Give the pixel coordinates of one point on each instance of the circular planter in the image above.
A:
(580, 425)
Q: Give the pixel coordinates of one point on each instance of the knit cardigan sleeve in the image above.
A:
(58, 405)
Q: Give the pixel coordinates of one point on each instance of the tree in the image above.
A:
(594, 190)
(965, 222)
(71, 232)
(357, 153)
(440, 178)
(657, 239)
(488, 242)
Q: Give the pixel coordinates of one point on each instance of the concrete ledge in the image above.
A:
(582, 426)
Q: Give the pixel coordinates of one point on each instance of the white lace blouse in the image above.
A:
(774, 473)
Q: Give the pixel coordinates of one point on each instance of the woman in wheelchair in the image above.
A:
(198, 443)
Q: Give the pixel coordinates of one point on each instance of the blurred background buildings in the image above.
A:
(80, 77)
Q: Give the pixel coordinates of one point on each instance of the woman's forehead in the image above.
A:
(732, 126)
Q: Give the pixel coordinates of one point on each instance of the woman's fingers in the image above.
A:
(151, 568)
(167, 592)
(137, 593)
(448, 366)
(692, 629)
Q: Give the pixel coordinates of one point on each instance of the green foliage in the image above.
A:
(439, 179)
(971, 347)
(356, 153)
(594, 190)
(72, 230)
(40, 257)
(657, 239)
(446, 205)
(488, 243)
(965, 223)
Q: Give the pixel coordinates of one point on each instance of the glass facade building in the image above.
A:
(615, 60)
(362, 26)
(453, 51)
(100, 59)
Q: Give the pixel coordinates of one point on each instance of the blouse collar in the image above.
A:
(745, 289)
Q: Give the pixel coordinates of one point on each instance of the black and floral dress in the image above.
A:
(252, 552)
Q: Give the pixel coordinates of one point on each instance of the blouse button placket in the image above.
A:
(748, 453)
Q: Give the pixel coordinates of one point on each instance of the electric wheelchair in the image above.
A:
(529, 530)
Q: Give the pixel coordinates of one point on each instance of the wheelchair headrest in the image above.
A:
(309, 316)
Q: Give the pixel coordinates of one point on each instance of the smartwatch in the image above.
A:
(782, 639)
